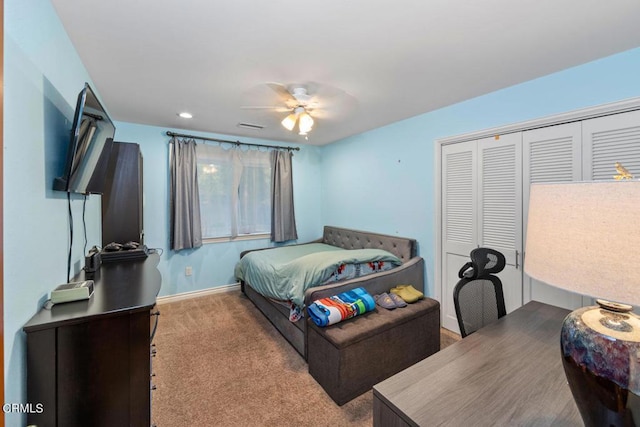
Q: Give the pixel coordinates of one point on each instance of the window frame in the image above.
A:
(234, 162)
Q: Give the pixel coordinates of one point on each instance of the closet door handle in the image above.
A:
(517, 254)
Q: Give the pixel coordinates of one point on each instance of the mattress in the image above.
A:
(286, 272)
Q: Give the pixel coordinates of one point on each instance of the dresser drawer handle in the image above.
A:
(155, 325)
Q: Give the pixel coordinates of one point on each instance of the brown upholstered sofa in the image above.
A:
(350, 357)
(410, 272)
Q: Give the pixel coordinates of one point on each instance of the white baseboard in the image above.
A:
(196, 294)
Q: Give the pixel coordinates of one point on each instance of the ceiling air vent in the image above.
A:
(250, 126)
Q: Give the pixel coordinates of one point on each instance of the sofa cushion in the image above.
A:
(379, 320)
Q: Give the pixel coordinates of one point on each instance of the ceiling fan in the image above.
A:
(298, 98)
(306, 102)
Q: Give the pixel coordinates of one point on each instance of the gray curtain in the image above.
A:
(186, 230)
(283, 220)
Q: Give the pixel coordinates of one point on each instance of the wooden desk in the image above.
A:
(506, 374)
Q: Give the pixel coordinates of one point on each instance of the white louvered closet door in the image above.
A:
(608, 140)
(459, 219)
(550, 154)
(500, 208)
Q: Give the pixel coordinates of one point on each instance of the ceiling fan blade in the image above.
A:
(282, 92)
(260, 106)
(276, 108)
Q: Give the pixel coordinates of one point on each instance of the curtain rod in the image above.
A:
(182, 135)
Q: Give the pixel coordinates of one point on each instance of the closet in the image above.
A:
(481, 206)
(484, 190)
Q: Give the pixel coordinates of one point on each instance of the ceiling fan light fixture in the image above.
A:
(290, 121)
(305, 123)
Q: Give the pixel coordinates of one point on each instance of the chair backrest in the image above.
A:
(478, 296)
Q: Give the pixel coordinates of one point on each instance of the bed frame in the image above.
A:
(410, 272)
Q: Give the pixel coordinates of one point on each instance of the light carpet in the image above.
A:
(219, 362)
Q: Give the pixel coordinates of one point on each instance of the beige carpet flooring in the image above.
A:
(219, 362)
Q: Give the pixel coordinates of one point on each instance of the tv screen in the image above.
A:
(89, 147)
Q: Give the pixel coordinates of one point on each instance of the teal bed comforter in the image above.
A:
(285, 273)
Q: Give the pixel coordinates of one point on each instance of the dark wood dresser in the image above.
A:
(122, 209)
(89, 362)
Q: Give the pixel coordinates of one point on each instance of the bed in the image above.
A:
(385, 273)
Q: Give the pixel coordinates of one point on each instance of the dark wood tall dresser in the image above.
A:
(122, 206)
(89, 362)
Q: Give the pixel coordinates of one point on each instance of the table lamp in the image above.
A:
(584, 237)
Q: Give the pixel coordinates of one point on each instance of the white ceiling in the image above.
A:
(389, 60)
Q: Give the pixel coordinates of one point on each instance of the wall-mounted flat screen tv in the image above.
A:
(89, 147)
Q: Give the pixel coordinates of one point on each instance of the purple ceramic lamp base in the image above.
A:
(601, 358)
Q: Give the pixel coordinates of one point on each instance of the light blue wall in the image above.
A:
(381, 180)
(384, 180)
(42, 78)
(212, 263)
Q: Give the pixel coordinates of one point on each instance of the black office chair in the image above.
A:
(478, 297)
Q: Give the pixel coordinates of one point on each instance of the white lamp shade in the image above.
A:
(584, 237)
(290, 121)
(305, 123)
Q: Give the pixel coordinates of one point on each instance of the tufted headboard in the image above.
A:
(346, 238)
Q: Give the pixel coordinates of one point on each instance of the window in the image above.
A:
(235, 191)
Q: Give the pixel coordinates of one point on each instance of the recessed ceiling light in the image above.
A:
(185, 115)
